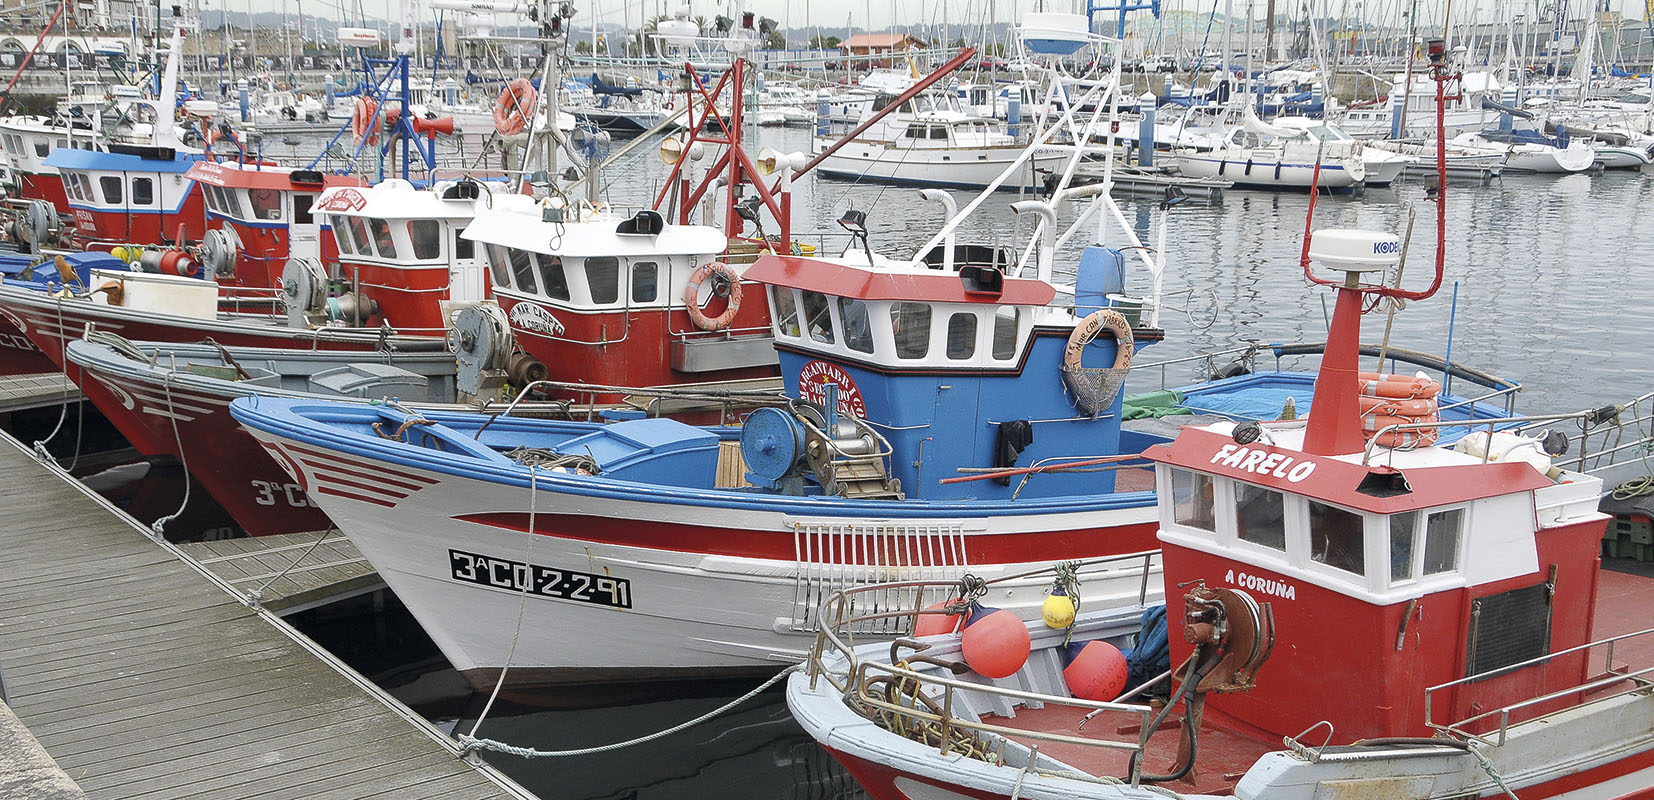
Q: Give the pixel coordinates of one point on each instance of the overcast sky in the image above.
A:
(801, 14)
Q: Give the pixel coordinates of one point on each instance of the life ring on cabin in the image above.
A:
(731, 286)
(361, 121)
(1094, 388)
(515, 104)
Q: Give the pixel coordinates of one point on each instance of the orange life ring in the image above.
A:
(361, 121)
(692, 293)
(1405, 387)
(515, 104)
(1397, 407)
(1093, 324)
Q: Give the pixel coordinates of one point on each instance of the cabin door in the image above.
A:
(304, 234)
(465, 277)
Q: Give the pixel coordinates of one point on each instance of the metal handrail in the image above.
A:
(1612, 677)
(1490, 423)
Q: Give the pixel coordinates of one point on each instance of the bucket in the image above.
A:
(1129, 307)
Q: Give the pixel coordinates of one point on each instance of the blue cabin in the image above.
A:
(960, 369)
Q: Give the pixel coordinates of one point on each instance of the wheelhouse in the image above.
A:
(1367, 558)
(131, 194)
(269, 214)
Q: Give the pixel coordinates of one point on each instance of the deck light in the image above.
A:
(855, 222)
(1249, 432)
(722, 24)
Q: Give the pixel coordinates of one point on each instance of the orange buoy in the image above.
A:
(361, 121)
(995, 642)
(934, 624)
(1095, 670)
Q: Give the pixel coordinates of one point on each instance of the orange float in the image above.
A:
(692, 296)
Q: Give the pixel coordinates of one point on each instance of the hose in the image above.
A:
(1195, 674)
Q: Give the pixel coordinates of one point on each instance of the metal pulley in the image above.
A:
(1242, 632)
(218, 251)
(38, 225)
(482, 343)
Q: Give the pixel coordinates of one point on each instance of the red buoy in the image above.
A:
(933, 624)
(1096, 670)
(995, 642)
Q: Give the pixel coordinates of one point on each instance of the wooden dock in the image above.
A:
(22, 392)
(143, 674)
(290, 572)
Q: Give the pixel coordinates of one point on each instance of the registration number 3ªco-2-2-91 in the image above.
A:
(562, 584)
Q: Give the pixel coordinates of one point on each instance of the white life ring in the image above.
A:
(692, 292)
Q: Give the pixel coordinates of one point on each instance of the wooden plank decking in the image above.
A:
(291, 572)
(142, 675)
(19, 392)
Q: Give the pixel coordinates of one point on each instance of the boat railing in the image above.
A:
(926, 699)
(1588, 692)
(1499, 390)
(1584, 459)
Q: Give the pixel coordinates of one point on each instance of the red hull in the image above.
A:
(196, 428)
(632, 349)
(43, 187)
(146, 228)
(18, 355)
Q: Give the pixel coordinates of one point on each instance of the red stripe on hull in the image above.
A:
(333, 460)
(980, 548)
(350, 496)
(880, 780)
(1594, 776)
(43, 187)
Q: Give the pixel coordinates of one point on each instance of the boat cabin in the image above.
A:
(605, 298)
(266, 214)
(959, 366)
(131, 194)
(1388, 572)
(400, 245)
(931, 119)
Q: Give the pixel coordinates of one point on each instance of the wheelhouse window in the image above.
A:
(111, 186)
(341, 234)
(522, 270)
(1260, 516)
(41, 149)
(211, 198)
(961, 335)
(232, 203)
(1441, 541)
(382, 239)
(817, 319)
(143, 191)
(359, 232)
(603, 279)
(426, 237)
(1194, 500)
(265, 203)
(1005, 333)
(645, 281)
(552, 277)
(786, 311)
(1336, 537)
(302, 204)
(1403, 538)
(463, 247)
(499, 265)
(858, 329)
(911, 324)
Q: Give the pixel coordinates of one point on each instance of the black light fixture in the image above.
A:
(747, 209)
(855, 221)
(722, 24)
(1249, 432)
(767, 26)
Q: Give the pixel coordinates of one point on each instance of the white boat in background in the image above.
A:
(1261, 155)
(1383, 167)
(785, 103)
(1465, 111)
(931, 140)
(1462, 161)
(1528, 150)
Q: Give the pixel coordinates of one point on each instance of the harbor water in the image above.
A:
(1546, 281)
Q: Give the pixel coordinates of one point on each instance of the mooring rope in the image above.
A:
(159, 526)
(471, 743)
(522, 605)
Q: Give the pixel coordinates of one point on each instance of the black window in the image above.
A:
(463, 247)
(603, 279)
(111, 186)
(426, 235)
(645, 280)
(301, 209)
(499, 264)
(143, 191)
(552, 275)
(359, 233)
(858, 329)
(1260, 515)
(382, 237)
(522, 269)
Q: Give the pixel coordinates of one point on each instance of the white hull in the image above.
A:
(1616, 157)
(1550, 160)
(688, 610)
(1265, 172)
(963, 166)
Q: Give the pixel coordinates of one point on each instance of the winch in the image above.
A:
(843, 453)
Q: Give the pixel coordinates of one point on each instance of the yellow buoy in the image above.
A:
(1058, 609)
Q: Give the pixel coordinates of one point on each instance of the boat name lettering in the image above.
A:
(562, 584)
(1259, 583)
(1263, 462)
(343, 200)
(813, 378)
(529, 316)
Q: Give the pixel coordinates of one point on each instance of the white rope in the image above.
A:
(159, 526)
(257, 595)
(522, 603)
(40, 450)
(471, 743)
(1487, 766)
